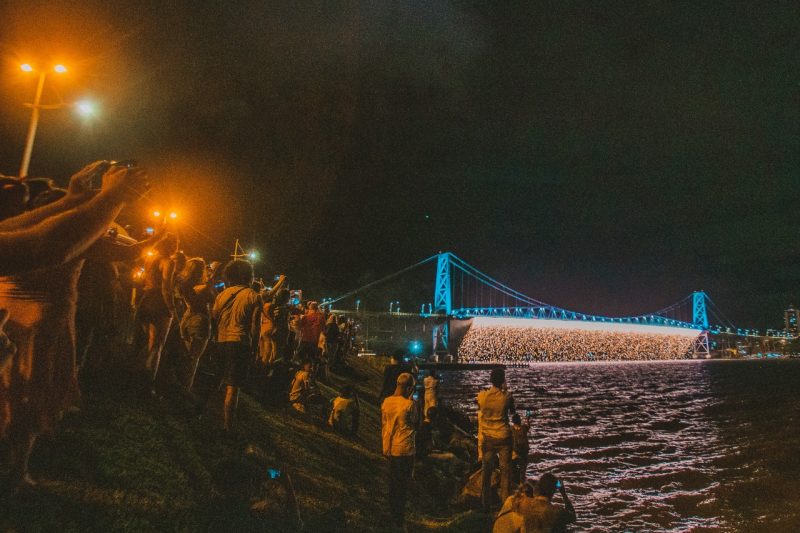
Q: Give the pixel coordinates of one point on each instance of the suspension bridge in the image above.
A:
(464, 293)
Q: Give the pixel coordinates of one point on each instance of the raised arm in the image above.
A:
(65, 236)
(270, 294)
(106, 249)
(78, 192)
(568, 515)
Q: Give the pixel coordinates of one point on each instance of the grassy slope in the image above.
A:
(124, 463)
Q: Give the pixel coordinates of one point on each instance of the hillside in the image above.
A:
(124, 462)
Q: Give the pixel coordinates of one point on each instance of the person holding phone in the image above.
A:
(519, 452)
(540, 514)
(398, 432)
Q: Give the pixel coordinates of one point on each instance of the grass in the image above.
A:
(129, 463)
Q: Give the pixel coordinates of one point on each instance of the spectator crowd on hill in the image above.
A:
(74, 282)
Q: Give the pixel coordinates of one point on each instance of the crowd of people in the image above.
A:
(503, 344)
(71, 278)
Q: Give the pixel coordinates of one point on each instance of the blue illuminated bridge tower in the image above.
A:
(443, 303)
(700, 318)
(486, 296)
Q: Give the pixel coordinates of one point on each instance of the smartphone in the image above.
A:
(149, 231)
(219, 286)
(274, 473)
(558, 484)
(528, 413)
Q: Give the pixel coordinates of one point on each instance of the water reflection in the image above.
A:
(700, 445)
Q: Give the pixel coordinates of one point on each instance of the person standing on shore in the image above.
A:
(390, 375)
(310, 326)
(431, 392)
(494, 432)
(237, 312)
(398, 431)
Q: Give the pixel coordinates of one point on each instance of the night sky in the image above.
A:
(605, 157)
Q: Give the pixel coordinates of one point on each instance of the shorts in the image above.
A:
(236, 358)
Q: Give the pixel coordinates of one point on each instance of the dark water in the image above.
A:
(667, 446)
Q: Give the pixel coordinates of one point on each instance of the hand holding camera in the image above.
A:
(81, 184)
(130, 182)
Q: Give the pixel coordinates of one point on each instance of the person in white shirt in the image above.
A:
(431, 383)
(398, 430)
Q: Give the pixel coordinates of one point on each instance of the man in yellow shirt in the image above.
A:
(398, 429)
(494, 405)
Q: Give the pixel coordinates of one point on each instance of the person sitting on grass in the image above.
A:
(510, 519)
(541, 514)
(345, 406)
(303, 392)
(530, 510)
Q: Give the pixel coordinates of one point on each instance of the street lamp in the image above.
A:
(35, 109)
(85, 108)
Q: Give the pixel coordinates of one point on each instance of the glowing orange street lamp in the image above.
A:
(35, 109)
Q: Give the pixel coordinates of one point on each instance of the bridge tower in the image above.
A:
(700, 318)
(442, 303)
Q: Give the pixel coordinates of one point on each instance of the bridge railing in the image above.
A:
(555, 313)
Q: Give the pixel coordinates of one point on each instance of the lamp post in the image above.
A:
(35, 109)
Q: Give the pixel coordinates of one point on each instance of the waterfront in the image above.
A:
(663, 446)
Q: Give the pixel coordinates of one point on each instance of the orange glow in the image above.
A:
(173, 215)
(61, 69)
(26, 67)
(150, 252)
(157, 214)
